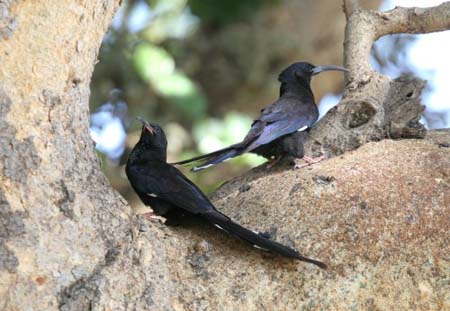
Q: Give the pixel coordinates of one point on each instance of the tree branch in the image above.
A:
(365, 27)
(349, 6)
(374, 106)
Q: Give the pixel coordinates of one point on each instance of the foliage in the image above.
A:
(137, 57)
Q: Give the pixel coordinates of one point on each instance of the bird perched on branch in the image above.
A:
(273, 134)
(173, 196)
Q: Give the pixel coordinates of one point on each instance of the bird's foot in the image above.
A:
(306, 161)
(150, 216)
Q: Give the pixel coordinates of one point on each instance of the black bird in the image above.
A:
(274, 134)
(173, 196)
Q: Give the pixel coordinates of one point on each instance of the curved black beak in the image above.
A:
(319, 69)
(146, 124)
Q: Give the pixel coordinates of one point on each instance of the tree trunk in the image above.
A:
(60, 219)
(377, 215)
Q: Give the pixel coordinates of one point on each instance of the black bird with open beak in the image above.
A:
(173, 196)
(273, 134)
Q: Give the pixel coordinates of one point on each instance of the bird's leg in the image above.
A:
(308, 161)
(273, 161)
(151, 216)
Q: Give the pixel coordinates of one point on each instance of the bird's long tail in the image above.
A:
(256, 239)
(213, 158)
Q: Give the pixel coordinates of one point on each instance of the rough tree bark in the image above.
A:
(377, 215)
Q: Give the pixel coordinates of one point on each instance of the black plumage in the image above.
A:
(275, 133)
(173, 196)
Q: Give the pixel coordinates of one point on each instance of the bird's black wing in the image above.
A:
(283, 117)
(287, 115)
(165, 182)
